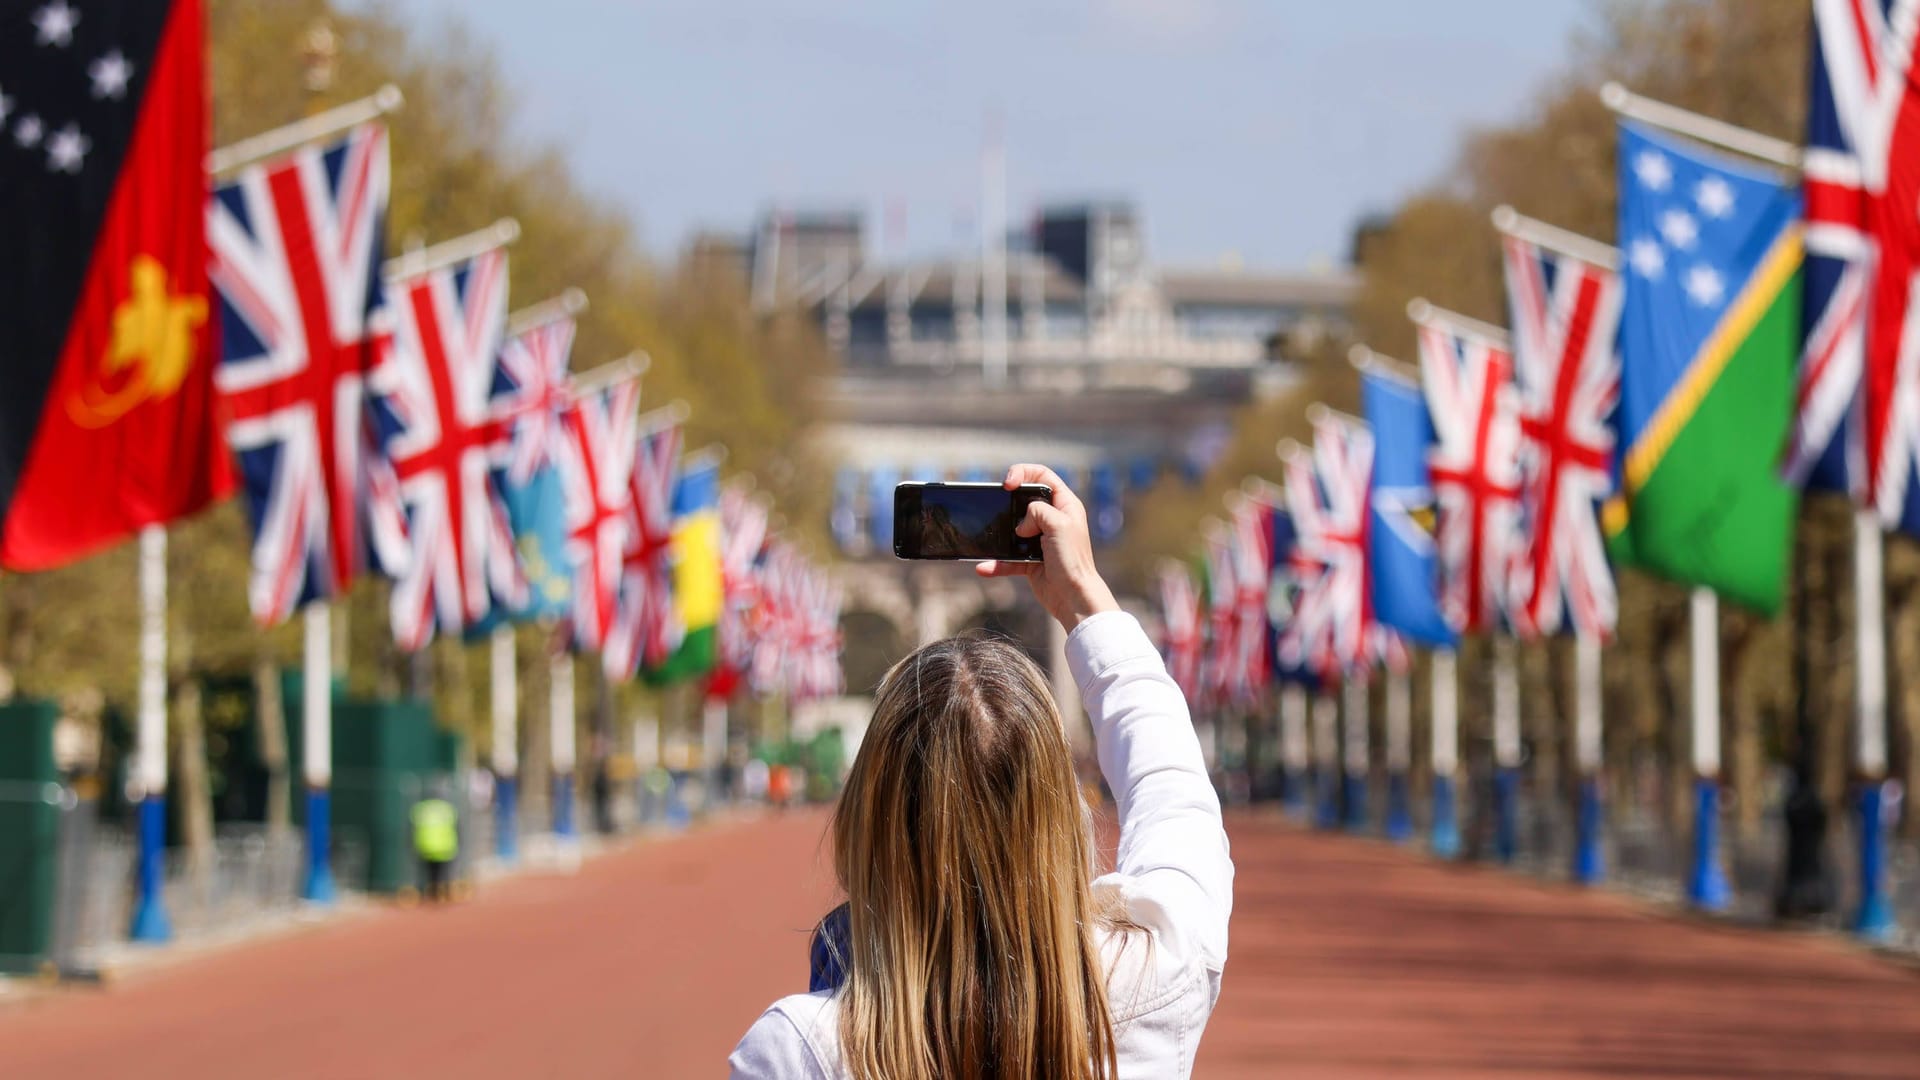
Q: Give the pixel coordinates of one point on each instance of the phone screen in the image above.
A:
(964, 521)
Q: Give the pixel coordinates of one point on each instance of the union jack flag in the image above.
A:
(1475, 463)
(1216, 670)
(294, 250)
(775, 629)
(443, 431)
(598, 431)
(1858, 420)
(1180, 611)
(1251, 547)
(532, 380)
(646, 630)
(743, 533)
(1333, 631)
(818, 650)
(1566, 316)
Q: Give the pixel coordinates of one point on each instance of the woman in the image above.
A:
(975, 942)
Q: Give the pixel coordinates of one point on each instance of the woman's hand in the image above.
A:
(1067, 584)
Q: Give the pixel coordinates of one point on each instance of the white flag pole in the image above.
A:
(1589, 864)
(1399, 755)
(1707, 888)
(1506, 750)
(1356, 754)
(1874, 918)
(316, 747)
(150, 922)
(1445, 673)
(506, 748)
(1295, 752)
(560, 725)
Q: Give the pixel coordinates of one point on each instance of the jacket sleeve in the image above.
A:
(1173, 845)
(774, 1049)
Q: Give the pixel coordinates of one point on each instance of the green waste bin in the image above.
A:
(30, 798)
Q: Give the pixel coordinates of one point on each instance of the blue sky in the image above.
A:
(1252, 128)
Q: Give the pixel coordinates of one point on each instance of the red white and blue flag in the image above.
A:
(442, 429)
(1216, 668)
(646, 629)
(776, 627)
(1251, 547)
(817, 654)
(294, 248)
(1566, 318)
(1475, 464)
(598, 432)
(1857, 424)
(1333, 631)
(743, 535)
(533, 388)
(1180, 615)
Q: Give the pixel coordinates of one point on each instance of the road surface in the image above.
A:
(1349, 959)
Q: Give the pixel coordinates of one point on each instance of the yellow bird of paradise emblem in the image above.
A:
(149, 351)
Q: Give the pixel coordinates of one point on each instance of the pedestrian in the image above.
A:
(975, 941)
(436, 840)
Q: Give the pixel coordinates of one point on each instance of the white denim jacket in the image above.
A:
(1172, 873)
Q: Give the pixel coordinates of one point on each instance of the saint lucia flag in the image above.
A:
(697, 587)
(1709, 337)
(1401, 506)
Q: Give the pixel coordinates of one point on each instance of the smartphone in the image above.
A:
(964, 521)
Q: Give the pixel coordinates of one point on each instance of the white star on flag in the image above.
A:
(1653, 170)
(1680, 229)
(54, 24)
(110, 74)
(27, 131)
(66, 149)
(1647, 258)
(1704, 286)
(1714, 196)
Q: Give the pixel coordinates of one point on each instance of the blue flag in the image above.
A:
(1406, 577)
(536, 514)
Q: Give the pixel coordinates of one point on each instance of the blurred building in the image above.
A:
(1114, 370)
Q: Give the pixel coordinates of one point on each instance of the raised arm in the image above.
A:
(1172, 843)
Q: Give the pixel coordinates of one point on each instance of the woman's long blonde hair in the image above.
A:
(966, 853)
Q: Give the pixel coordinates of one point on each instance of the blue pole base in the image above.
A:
(1506, 813)
(1707, 888)
(1874, 920)
(1328, 789)
(150, 923)
(319, 887)
(1445, 839)
(563, 805)
(506, 819)
(1293, 788)
(1356, 800)
(1399, 814)
(1589, 862)
(678, 815)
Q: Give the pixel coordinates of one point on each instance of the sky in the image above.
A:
(1245, 131)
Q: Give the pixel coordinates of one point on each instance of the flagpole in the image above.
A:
(1399, 755)
(506, 757)
(150, 922)
(560, 734)
(1703, 128)
(1874, 918)
(414, 263)
(1295, 753)
(1589, 862)
(1707, 888)
(569, 303)
(1506, 749)
(1423, 313)
(316, 748)
(1326, 745)
(279, 140)
(1557, 240)
(1356, 754)
(1445, 674)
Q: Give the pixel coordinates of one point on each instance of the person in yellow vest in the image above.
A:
(436, 839)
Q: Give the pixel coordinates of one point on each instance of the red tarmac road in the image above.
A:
(1349, 960)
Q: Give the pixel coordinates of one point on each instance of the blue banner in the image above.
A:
(537, 514)
(1406, 573)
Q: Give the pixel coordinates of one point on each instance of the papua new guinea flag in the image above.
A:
(106, 389)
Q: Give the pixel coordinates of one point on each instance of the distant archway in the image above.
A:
(1024, 623)
(871, 643)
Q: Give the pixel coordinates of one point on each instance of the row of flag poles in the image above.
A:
(382, 415)
(1637, 413)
